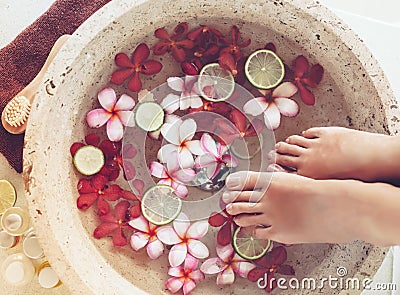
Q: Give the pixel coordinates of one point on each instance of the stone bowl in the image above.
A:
(354, 93)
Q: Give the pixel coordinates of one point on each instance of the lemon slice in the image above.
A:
(89, 160)
(8, 196)
(247, 246)
(149, 116)
(246, 148)
(160, 205)
(264, 69)
(215, 83)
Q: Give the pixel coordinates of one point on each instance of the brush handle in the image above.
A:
(33, 86)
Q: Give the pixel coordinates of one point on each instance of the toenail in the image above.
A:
(233, 181)
(229, 208)
(270, 155)
(277, 145)
(287, 139)
(226, 197)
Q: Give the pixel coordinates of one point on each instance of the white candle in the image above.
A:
(6, 241)
(31, 247)
(48, 278)
(15, 272)
(13, 222)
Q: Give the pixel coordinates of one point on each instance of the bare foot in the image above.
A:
(291, 209)
(341, 153)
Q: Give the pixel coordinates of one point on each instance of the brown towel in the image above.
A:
(23, 58)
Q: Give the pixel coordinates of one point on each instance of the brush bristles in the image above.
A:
(17, 111)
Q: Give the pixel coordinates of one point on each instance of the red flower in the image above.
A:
(175, 43)
(204, 35)
(97, 188)
(270, 46)
(192, 67)
(234, 46)
(94, 189)
(90, 139)
(232, 53)
(269, 265)
(113, 156)
(224, 236)
(221, 108)
(237, 127)
(227, 61)
(304, 77)
(113, 224)
(132, 68)
(117, 157)
(138, 184)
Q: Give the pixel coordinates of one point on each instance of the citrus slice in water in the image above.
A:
(8, 196)
(89, 160)
(160, 205)
(215, 83)
(264, 69)
(246, 148)
(247, 246)
(149, 116)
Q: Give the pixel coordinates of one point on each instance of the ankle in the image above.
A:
(343, 210)
(390, 166)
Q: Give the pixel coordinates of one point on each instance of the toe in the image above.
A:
(243, 207)
(248, 180)
(245, 196)
(313, 132)
(289, 149)
(250, 220)
(287, 160)
(278, 168)
(299, 141)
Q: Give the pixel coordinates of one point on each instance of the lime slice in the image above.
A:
(89, 160)
(160, 205)
(246, 148)
(215, 83)
(247, 245)
(264, 69)
(8, 196)
(149, 116)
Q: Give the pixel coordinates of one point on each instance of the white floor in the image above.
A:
(376, 22)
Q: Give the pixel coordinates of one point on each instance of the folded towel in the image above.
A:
(22, 59)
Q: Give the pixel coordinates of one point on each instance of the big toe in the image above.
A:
(248, 180)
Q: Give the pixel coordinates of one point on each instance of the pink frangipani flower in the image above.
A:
(116, 113)
(189, 97)
(273, 104)
(215, 156)
(173, 175)
(184, 277)
(180, 134)
(185, 238)
(146, 235)
(226, 265)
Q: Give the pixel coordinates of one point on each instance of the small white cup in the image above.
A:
(31, 246)
(47, 277)
(17, 270)
(7, 241)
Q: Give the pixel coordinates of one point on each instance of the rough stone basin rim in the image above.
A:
(354, 93)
